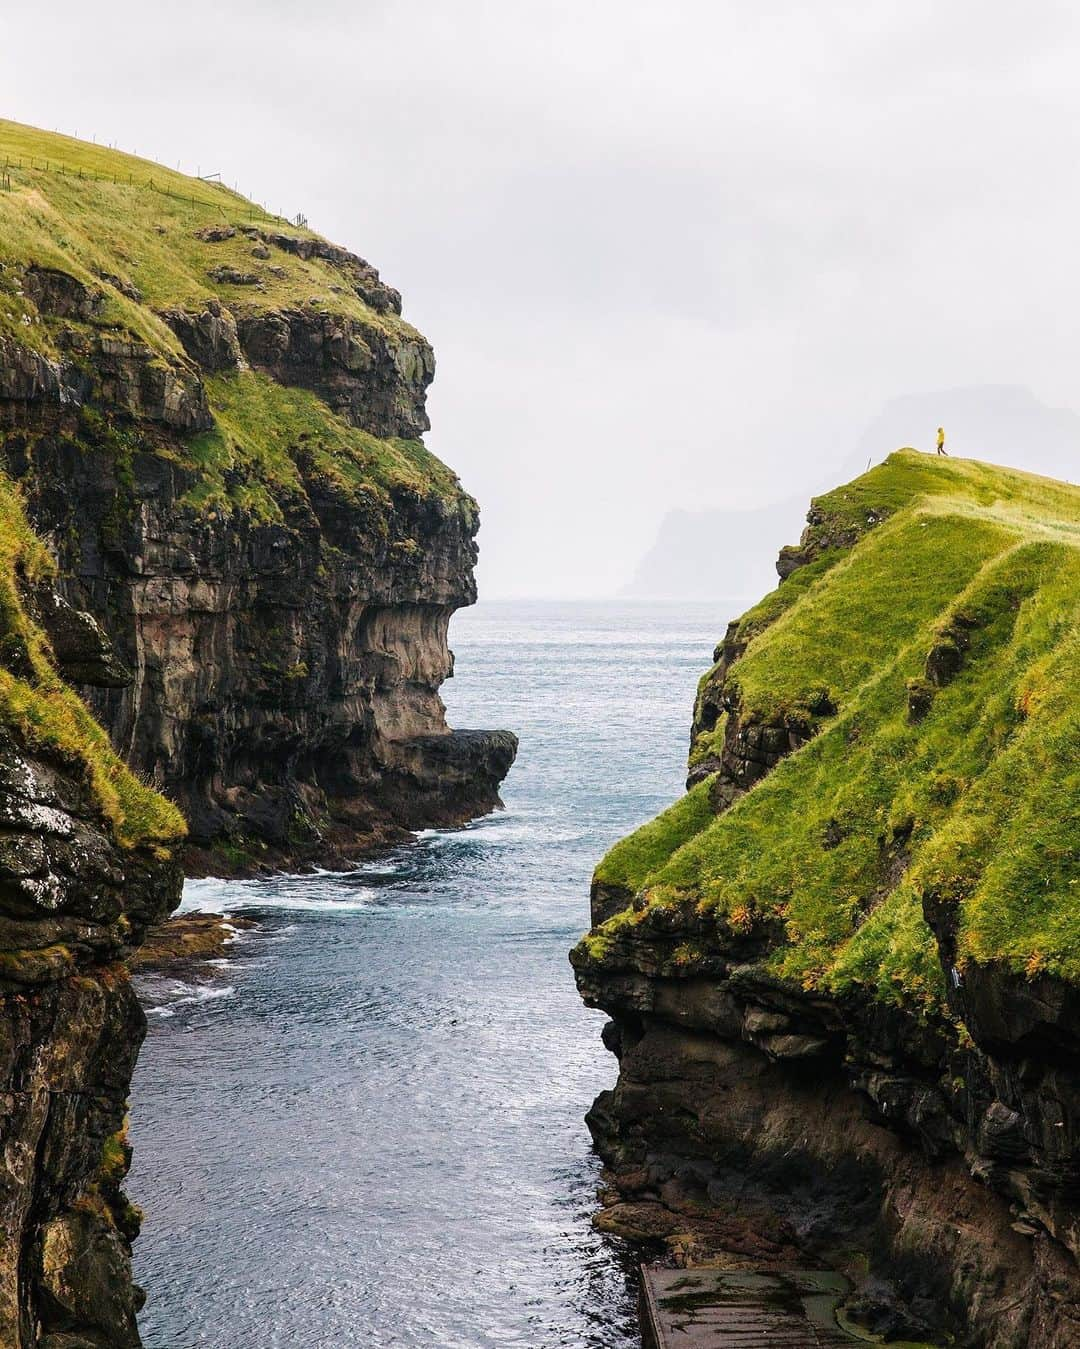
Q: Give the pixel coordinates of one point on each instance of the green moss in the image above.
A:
(778, 601)
(250, 459)
(596, 945)
(976, 801)
(129, 230)
(908, 476)
(115, 1158)
(92, 211)
(239, 853)
(821, 649)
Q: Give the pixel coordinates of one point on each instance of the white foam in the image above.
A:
(191, 995)
(504, 833)
(328, 892)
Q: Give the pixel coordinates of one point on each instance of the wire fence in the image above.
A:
(240, 204)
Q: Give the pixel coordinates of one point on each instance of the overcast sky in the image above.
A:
(668, 254)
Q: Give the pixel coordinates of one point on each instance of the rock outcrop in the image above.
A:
(842, 972)
(88, 861)
(215, 423)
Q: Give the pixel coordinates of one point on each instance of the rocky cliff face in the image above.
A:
(71, 905)
(215, 421)
(842, 971)
(87, 862)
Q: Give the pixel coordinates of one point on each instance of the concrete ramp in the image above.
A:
(728, 1309)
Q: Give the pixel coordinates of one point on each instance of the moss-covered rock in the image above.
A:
(87, 862)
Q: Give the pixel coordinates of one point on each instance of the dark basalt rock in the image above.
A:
(188, 938)
(232, 276)
(60, 295)
(216, 234)
(28, 377)
(376, 384)
(72, 905)
(823, 535)
(209, 337)
(80, 646)
(362, 277)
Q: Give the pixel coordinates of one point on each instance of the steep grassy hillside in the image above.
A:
(843, 970)
(150, 250)
(926, 654)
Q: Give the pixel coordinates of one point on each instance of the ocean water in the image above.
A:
(365, 1126)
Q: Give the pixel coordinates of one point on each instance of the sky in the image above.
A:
(669, 255)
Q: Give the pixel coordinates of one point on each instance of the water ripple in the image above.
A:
(367, 1127)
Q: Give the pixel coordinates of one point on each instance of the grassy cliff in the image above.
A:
(153, 250)
(215, 421)
(926, 649)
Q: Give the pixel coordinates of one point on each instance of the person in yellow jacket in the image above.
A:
(941, 440)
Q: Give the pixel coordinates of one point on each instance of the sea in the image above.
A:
(365, 1125)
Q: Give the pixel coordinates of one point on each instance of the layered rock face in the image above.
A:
(88, 860)
(213, 419)
(216, 426)
(842, 971)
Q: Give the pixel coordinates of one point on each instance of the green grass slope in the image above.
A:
(966, 786)
(93, 211)
(104, 216)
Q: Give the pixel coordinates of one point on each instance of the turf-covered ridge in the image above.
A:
(147, 242)
(931, 644)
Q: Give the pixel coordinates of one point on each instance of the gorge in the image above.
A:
(841, 971)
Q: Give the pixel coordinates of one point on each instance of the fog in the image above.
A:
(676, 255)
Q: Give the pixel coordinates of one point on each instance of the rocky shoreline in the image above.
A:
(187, 938)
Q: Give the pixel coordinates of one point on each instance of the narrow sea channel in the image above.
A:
(366, 1127)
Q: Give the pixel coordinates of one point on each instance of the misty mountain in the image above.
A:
(702, 554)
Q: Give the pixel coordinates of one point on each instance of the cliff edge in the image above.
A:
(843, 971)
(216, 419)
